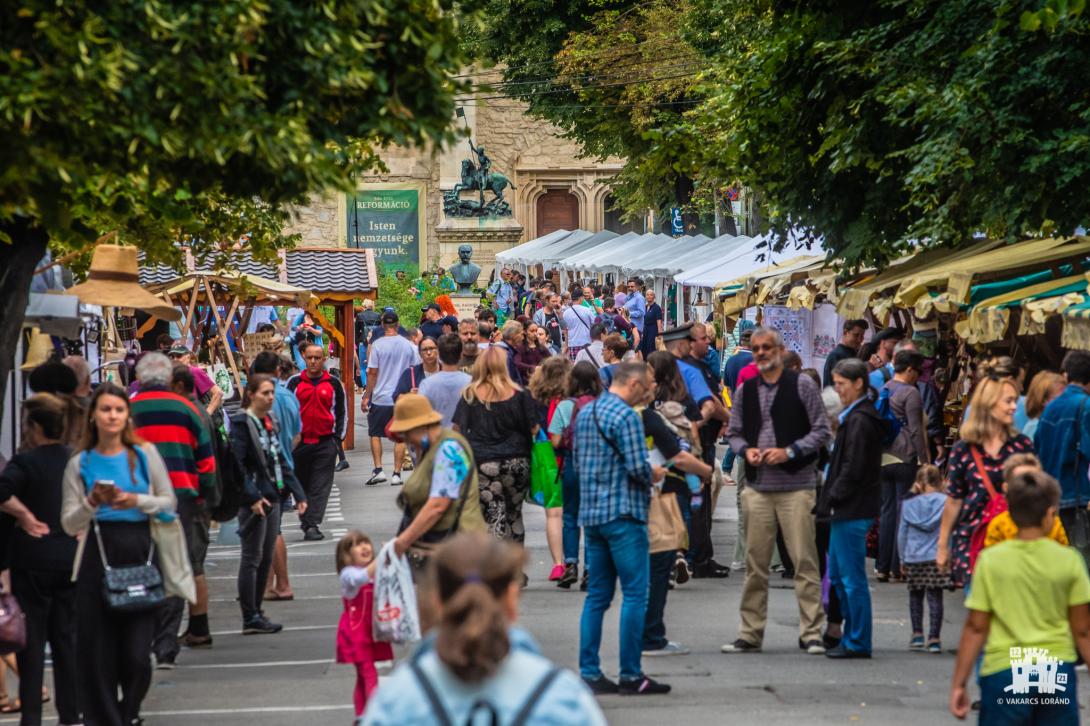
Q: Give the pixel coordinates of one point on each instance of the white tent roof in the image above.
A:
(741, 261)
(585, 259)
(662, 248)
(515, 254)
(571, 245)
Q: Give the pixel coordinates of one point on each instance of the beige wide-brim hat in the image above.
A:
(114, 281)
(413, 411)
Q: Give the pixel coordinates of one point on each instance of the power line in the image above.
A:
(593, 54)
(667, 63)
(588, 87)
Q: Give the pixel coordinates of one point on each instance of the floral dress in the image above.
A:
(964, 483)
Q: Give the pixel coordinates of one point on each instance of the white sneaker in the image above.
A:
(738, 566)
(395, 480)
(671, 648)
(377, 477)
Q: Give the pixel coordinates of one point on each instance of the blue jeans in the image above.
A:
(654, 628)
(1006, 708)
(616, 549)
(848, 574)
(569, 489)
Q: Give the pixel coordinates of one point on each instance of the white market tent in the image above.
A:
(519, 254)
(586, 260)
(660, 251)
(562, 250)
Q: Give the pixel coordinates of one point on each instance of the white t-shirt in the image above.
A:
(577, 320)
(392, 355)
(260, 315)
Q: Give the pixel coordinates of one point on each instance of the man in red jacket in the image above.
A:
(322, 409)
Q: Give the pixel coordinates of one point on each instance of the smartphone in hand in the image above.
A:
(104, 490)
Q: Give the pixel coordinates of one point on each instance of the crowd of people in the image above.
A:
(831, 469)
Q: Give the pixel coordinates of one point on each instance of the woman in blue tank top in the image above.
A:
(113, 649)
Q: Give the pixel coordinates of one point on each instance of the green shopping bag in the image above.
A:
(544, 475)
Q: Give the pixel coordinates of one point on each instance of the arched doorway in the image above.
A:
(557, 209)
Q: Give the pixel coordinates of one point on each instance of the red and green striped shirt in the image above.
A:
(172, 423)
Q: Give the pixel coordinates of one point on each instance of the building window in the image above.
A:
(557, 209)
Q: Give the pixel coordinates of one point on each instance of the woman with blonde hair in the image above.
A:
(1044, 387)
(549, 386)
(480, 661)
(988, 439)
(499, 420)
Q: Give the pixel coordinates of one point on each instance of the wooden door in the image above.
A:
(557, 209)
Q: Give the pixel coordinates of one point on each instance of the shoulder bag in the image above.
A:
(130, 589)
(996, 505)
(12, 624)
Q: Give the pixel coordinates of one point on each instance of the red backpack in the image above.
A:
(997, 504)
(567, 436)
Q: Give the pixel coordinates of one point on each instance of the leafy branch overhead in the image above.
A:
(157, 118)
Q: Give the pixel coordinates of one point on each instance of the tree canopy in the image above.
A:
(199, 120)
(876, 126)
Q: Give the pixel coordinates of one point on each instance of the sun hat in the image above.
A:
(413, 411)
(114, 281)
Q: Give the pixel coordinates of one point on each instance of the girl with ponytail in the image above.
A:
(476, 660)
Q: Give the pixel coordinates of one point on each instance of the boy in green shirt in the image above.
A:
(1028, 611)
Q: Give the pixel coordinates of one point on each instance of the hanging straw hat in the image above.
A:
(114, 282)
(38, 351)
(413, 411)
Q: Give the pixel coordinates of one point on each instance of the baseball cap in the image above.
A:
(432, 306)
(389, 317)
(178, 350)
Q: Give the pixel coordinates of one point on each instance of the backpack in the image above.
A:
(884, 406)
(521, 717)
(567, 436)
(608, 322)
(997, 504)
(230, 478)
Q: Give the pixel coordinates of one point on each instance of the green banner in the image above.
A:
(387, 221)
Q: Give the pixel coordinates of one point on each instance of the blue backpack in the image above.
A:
(884, 406)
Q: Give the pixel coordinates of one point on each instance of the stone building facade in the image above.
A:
(553, 189)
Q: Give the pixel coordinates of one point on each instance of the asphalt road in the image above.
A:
(290, 678)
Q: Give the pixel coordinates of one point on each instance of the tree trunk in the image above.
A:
(18, 261)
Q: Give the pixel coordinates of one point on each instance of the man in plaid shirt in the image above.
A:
(614, 493)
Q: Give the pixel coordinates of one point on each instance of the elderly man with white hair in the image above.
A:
(172, 423)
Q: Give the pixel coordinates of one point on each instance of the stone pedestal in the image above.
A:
(487, 236)
(466, 305)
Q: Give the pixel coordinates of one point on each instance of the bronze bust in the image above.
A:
(464, 272)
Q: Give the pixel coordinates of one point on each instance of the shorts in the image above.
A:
(196, 521)
(377, 418)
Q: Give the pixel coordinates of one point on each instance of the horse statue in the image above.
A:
(474, 181)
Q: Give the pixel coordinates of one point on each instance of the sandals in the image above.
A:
(276, 596)
(7, 705)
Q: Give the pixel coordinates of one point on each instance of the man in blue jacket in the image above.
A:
(1063, 442)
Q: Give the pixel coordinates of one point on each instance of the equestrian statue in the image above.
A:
(478, 178)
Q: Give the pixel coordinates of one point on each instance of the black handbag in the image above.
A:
(131, 589)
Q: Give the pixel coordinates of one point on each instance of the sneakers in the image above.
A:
(710, 569)
(377, 477)
(313, 534)
(557, 573)
(738, 566)
(829, 641)
(812, 647)
(642, 686)
(395, 480)
(671, 648)
(341, 465)
(682, 573)
(934, 647)
(601, 686)
(916, 643)
(260, 626)
(189, 640)
(740, 646)
(583, 580)
(570, 576)
(840, 652)
(164, 664)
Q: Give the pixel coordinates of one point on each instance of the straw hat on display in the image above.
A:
(114, 282)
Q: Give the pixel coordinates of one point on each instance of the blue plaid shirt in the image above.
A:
(614, 481)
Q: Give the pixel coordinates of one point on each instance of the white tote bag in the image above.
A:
(396, 619)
